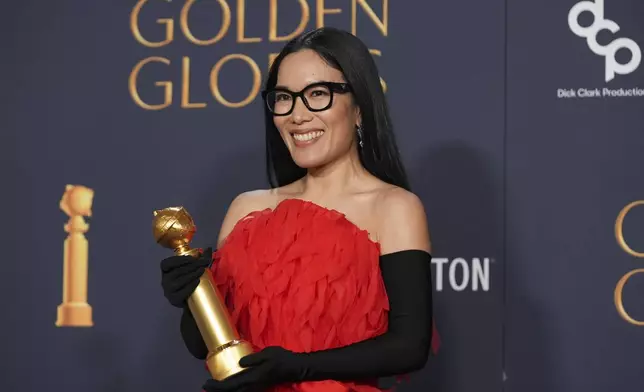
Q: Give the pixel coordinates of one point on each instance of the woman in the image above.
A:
(327, 273)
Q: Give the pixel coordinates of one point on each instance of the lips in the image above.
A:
(304, 138)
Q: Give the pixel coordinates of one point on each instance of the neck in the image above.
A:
(335, 177)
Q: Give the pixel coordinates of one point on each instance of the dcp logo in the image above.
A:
(590, 33)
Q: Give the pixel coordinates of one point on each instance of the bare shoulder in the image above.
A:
(242, 205)
(402, 221)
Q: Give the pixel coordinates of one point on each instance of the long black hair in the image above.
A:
(346, 53)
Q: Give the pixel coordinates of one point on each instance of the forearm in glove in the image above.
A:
(191, 336)
(179, 279)
(402, 349)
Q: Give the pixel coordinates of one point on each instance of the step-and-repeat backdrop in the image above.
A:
(521, 124)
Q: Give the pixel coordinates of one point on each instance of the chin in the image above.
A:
(310, 154)
(308, 162)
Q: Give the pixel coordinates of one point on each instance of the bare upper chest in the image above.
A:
(360, 210)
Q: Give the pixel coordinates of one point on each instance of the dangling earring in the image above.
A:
(360, 136)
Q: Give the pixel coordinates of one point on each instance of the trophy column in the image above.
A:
(74, 311)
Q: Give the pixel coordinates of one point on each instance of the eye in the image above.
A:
(282, 97)
(319, 93)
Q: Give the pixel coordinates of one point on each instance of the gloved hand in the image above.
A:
(269, 367)
(180, 276)
(404, 348)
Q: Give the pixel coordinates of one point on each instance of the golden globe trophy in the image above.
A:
(174, 228)
(74, 311)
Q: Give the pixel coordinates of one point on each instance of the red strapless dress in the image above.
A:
(305, 278)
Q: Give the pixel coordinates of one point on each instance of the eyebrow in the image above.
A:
(281, 86)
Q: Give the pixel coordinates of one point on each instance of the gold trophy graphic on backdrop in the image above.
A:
(174, 228)
(74, 311)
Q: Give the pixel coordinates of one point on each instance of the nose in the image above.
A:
(300, 112)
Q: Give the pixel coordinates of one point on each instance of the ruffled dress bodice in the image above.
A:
(303, 277)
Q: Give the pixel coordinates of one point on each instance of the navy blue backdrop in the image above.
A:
(523, 139)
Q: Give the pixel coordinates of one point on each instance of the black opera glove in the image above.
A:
(402, 349)
(405, 347)
(268, 367)
(180, 276)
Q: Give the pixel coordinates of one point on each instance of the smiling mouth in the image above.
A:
(306, 138)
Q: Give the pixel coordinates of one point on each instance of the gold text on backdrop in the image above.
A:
(232, 61)
(74, 311)
(619, 235)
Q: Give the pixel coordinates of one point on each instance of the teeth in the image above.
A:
(304, 137)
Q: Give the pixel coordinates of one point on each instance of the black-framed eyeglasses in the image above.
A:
(316, 97)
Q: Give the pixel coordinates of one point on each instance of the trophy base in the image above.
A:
(224, 363)
(74, 315)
